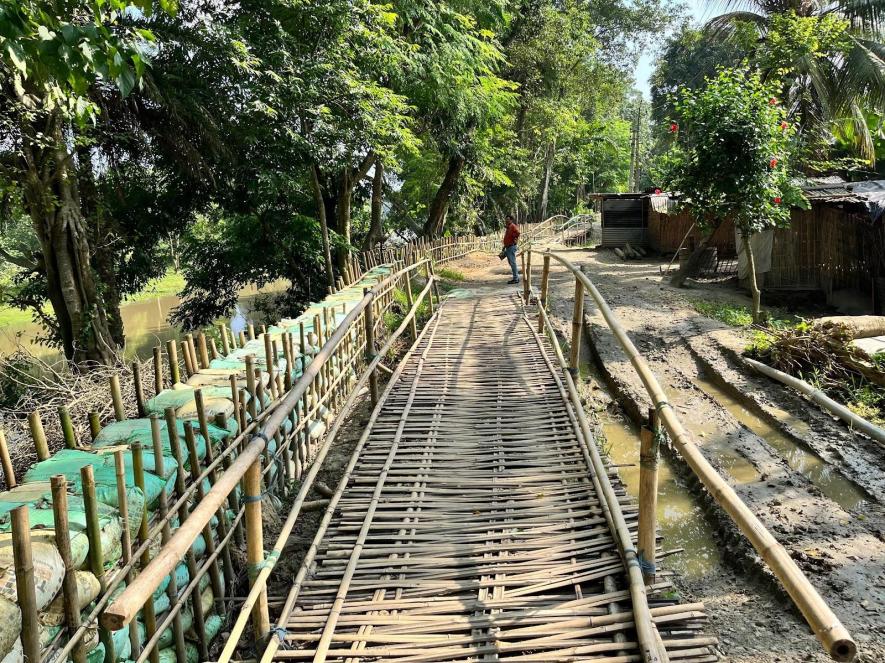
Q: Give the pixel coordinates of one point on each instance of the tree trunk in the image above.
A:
(545, 188)
(376, 231)
(440, 205)
(324, 224)
(754, 286)
(343, 215)
(52, 201)
(691, 265)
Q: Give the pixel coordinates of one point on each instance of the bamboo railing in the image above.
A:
(829, 630)
(207, 490)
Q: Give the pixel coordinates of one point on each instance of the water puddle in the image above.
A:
(823, 475)
(680, 519)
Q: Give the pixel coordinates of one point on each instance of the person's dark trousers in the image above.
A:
(511, 258)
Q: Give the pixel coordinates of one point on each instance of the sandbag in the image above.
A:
(38, 498)
(16, 653)
(69, 462)
(168, 655)
(88, 589)
(859, 326)
(10, 625)
(49, 572)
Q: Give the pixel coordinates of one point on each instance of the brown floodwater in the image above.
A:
(145, 323)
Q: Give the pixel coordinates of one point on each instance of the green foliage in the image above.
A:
(731, 153)
(450, 274)
(730, 314)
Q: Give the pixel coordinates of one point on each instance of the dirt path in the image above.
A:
(829, 516)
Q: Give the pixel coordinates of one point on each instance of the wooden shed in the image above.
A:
(624, 218)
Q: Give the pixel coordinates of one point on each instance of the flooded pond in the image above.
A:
(145, 323)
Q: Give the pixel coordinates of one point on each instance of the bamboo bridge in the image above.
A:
(476, 519)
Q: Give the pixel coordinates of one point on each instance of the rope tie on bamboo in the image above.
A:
(280, 632)
(269, 561)
(649, 461)
(648, 567)
(252, 499)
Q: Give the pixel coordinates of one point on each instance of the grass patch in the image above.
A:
(731, 314)
(171, 283)
(450, 274)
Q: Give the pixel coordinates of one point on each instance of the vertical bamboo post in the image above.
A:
(23, 561)
(432, 273)
(370, 347)
(233, 499)
(96, 554)
(648, 496)
(123, 508)
(172, 351)
(189, 367)
(255, 546)
(301, 458)
(527, 277)
(262, 329)
(204, 350)
(71, 602)
(252, 405)
(94, 425)
(287, 357)
(242, 336)
(222, 332)
(269, 359)
(8, 470)
(38, 435)
(410, 300)
(193, 457)
(139, 388)
(429, 276)
(545, 282)
(577, 326)
(158, 369)
(235, 398)
(148, 614)
(117, 398)
(67, 427)
(183, 515)
(192, 351)
(163, 510)
(213, 350)
(251, 328)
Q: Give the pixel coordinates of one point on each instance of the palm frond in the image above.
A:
(723, 27)
(867, 16)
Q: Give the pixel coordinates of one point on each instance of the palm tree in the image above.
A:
(830, 95)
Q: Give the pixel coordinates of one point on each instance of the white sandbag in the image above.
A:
(49, 571)
(10, 625)
(88, 589)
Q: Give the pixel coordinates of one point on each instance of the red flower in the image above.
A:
(674, 127)
(784, 125)
(657, 192)
(772, 101)
(777, 200)
(773, 162)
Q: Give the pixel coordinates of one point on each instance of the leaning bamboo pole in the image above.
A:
(826, 626)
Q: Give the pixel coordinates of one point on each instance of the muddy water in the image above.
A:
(823, 475)
(681, 520)
(145, 323)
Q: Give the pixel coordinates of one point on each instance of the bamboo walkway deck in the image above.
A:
(469, 529)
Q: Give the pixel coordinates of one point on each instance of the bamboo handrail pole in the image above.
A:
(123, 508)
(255, 547)
(158, 369)
(645, 631)
(67, 427)
(826, 626)
(59, 487)
(370, 351)
(149, 615)
(35, 423)
(819, 397)
(121, 611)
(174, 371)
(26, 592)
(274, 643)
(8, 470)
(646, 539)
(545, 283)
(139, 388)
(577, 326)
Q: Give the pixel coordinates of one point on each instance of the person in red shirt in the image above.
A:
(511, 239)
